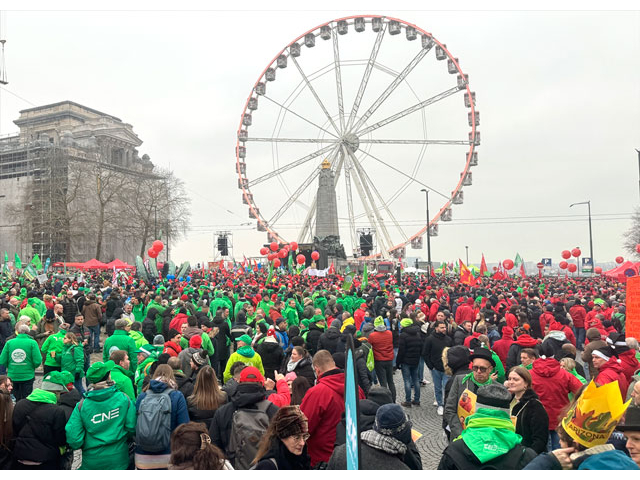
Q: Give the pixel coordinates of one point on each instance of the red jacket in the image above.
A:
(177, 321)
(553, 326)
(433, 311)
(358, 316)
(282, 395)
(463, 313)
(545, 319)
(629, 364)
(323, 406)
(172, 348)
(552, 384)
(512, 320)
(382, 343)
(467, 341)
(578, 315)
(501, 347)
(610, 372)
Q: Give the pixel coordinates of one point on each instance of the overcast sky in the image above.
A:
(558, 92)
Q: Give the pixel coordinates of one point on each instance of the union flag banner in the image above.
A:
(465, 274)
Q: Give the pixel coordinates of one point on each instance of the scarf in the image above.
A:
(470, 376)
(489, 434)
(246, 351)
(387, 444)
(291, 366)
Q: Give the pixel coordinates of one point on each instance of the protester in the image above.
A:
(531, 418)
(21, 356)
(631, 430)
(408, 357)
(381, 340)
(206, 398)
(121, 375)
(191, 449)
(244, 354)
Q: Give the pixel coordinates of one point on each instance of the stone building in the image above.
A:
(58, 148)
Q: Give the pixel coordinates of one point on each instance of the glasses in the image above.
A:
(300, 438)
(480, 369)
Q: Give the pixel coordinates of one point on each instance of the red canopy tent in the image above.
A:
(119, 265)
(618, 272)
(94, 264)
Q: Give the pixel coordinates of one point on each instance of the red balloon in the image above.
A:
(638, 248)
(566, 254)
(563, 265)
(508, 264)
(315, 255)
(294, 246)
(598, 270)
(264, 251)
(572, 267)
(274, 246)
(619, 259)
(283, 253)
(158, 245)
(272, 256)
(301, 259)
(152, 253)
(576, 252)
(276, 263)
(495, 269)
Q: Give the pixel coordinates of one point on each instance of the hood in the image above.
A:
(334, 379)
(101, 395)
(248, 394)
(70, 399)
(368, 407)
(246, 351)
(157, 386)
(314, 326)
(546, 367)
(42, 396)
(557, 334)
(192, 332)
(527, 341)
(270, 345)
(123, 371)
(332, 333)
(412, 330)
(612, 364)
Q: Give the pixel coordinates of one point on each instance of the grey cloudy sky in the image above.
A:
(558, 92)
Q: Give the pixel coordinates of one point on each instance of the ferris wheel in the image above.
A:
(381, 101)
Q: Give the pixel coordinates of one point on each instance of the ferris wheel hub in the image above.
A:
(351, 141)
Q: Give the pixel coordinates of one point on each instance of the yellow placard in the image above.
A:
(466, 405)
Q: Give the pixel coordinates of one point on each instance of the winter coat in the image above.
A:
(92, 313)
(83, 333)
(432, 350)
(566, 329)
(629, 363)
(610, 372)
(272, 356)
(532, 421)
(458, 456)
(177, 321)
(523, 341)
(207, 345)
(247, 395)
(245, 355)
(382, 343)
(329, 340)
(202, 416)
(69, 310)
(38, 428)
(124, 381)
(409, 346)
(602, 457)
(578, 315)
(68, 402)
(460, 335)
(553, 384)
(179, 412)
(21, 356)
(149, 329)
(458, 386)
(370, 459)
(280, 458)
(501, 347)
(53, 343)
(323, 406)
(172, 348)
(120, 340)
(72, 360)
(313, 337)
(100, 426)
(222, 340)
(303, 369)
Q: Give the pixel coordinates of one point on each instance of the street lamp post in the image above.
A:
(467, 249)
(638, 167)
(593, 261)
(426, 192)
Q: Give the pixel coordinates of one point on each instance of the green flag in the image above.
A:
(6, 257)
(5, 270)
(365, 276)
(517, 261)
(18, 262)
(291, 266)
(30, 273)
(270, 273)
(35, 261)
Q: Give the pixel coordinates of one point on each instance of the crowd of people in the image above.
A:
(239, 371)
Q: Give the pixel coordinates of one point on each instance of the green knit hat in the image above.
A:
(379, 325)
(244, 338)
(406, 322)
(99, 370)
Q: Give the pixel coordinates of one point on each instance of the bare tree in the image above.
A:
(631, 237)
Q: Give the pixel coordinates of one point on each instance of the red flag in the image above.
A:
(465, 274)
(433, 271)
(483, 267)
(332, 269)
(222, 265)
(522, 272)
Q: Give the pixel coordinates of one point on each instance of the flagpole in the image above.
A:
(426, 192)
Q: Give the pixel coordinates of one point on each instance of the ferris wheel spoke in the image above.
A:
(416, 142)
(289, 166)
(336, 61)
(404, 174)
(315, 94)
(376, 211)
(300, 116)
(367, 74)
(292, 140)
(407, 111)
(294, 197)
(367, 179)
(390, 89)
(352, 222)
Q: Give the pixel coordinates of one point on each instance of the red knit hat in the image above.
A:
(184, 298)
(196, 341)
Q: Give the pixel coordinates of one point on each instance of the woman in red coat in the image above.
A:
(609, 369)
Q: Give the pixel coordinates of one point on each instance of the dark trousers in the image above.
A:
(22, 389)
(49, 368)
(384, 372)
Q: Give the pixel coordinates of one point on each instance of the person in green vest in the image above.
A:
(290, 314)
(72, 359)
(244, 354)
(121, 374)
(52, 350)
(137, 335)
(102, 422)
(120, 340)
(21, 356)
(240, 304)
(156, 303)
(265, 303)
(146, 355)
(31, 312)
(217, 303)
(139, 310)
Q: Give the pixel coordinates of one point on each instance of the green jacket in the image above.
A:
(139, 312)
(72, 359)
(32, 313)
(265, 306)
(53, 343)
(291, 315)
(120, 340)
(138, 338)
(238, 307)
(245, 355)
(124, 381)
(100, 425)
(207, 346)
(141, 370)
(21, 356)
